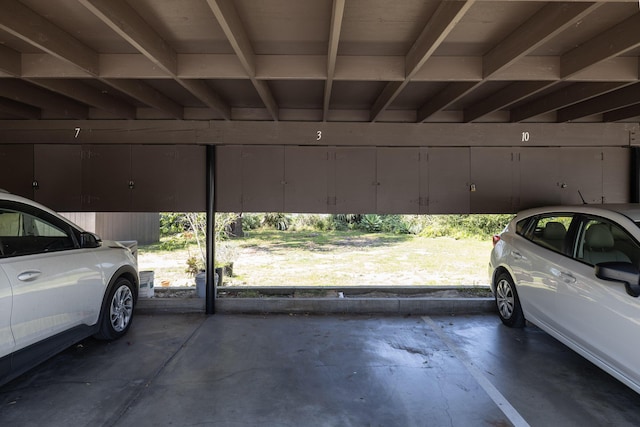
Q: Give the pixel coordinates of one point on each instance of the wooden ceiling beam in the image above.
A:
(337, 14)
(547, 23)
(228, 19)
(128, 24)
(622, 114)
(18, 109)
(608, 44)
(22, 22)
(314, 67)
(147, 95)
(89, 95)
(10, 61)
(501, 99)
(564, 97)
(451, 93)
(620, 98)
(25, 93)
(441, 23)
(544, 25)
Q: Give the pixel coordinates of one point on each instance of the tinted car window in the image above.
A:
(600, 240)
(521, 226)
(22, 234)
(550, 231)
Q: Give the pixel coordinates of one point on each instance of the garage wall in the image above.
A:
(413, 180)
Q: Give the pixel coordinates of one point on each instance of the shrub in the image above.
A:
(251, 221)
(278, 220)
(371, 223)
(316, 222)
(464, 226)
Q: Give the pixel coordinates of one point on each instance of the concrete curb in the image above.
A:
(391, 306)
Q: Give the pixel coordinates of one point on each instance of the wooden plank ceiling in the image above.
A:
(409, 61)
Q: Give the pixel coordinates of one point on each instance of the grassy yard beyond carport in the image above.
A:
(336, 258)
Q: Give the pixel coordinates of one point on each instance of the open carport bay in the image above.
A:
(294, 370)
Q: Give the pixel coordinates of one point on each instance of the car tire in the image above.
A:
(117, 311)
(508, 303)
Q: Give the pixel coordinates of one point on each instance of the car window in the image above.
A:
(600, 240)
(22, 234)
(550, 231)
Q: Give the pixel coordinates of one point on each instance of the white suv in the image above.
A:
(58, 285)
(573, 272)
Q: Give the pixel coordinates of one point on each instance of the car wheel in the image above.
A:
(508, 303)
(117, 313)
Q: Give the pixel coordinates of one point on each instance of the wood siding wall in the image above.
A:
(144, 227)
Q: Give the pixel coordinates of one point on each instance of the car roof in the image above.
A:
(630, 210)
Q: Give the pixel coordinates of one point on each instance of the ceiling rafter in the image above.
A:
(611, 43)
(564, 97)
(19, 110)
(32, 28)
(337, 14)
(544, 25)
(514, 92)
(227, 16)
(158, 58)
(147, 95)
(10, 62)
(441, 23)
(313, 67)
(615, 41)
(128, 24)
(622, 113)
(88, 95)
(20, 21)
(624, 97)
(26, 93)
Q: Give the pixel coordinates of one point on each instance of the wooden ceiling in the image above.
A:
(403, 61)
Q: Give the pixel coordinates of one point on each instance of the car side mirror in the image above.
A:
(89, 240)
(624, 272)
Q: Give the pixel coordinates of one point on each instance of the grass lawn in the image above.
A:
(337, 258)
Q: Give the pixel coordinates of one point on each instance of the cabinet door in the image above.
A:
(16, 169)
(448, 180)
(580, 175)
(153, 174)
(263, 179)
(191, 178)
(168, 178)
(106, 172)
(492, 180)
(356, 182)
(398, 180)
(228, 179)
(306, 182)
(539, 177)
(58, 172)
(616, 170)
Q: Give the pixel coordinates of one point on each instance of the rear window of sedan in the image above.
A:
(549, 230)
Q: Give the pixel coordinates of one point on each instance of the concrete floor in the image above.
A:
(297, 370)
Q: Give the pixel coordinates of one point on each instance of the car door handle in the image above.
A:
(516, 254)
(567, 278)
(30, 275)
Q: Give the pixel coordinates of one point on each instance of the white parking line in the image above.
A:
(497, 397)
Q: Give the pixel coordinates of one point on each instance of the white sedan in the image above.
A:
(58, 285)
(573, 272)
